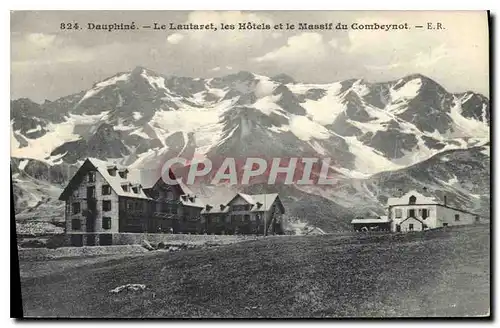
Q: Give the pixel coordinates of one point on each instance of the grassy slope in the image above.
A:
(437, 273)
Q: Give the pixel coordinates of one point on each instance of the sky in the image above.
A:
(48, 63)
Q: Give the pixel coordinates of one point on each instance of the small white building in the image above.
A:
(414, 211)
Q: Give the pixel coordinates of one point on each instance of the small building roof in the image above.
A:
(265, 201)
(380, 219)
(404, 199)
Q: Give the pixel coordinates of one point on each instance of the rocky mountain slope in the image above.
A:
(370, 131)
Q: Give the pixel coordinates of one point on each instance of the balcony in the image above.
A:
(164, 215)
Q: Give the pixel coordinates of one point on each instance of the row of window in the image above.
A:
(106, 189)
(241, 207)
(422, 212)
(106, 206)
(233, 218)
(92, 174)
(76, 224)
(131, 206)
(135, 205)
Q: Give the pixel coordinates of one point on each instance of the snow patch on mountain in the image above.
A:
(140, 133)
(136, 115)
(305, 129)
(101, 85)
(367, 160)
(468, 126)
(184, 120)
(57, 134)
(452, 181)
(407, 91)
(22, 164)
(264, 87)
(325, 110)
(360, 88)
(267, 104)
(38, 128)
(156, 82)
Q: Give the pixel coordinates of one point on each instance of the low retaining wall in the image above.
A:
(65, 252)
(124, 238)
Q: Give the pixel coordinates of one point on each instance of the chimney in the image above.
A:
(445, 200)
(222, 206)
(208, 207)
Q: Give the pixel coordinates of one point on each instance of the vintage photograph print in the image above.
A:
(251, 164)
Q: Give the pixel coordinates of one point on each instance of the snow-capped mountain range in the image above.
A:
(139, 118)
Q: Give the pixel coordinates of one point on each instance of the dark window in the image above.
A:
(424, 226)
(106, 205)
(411, 213)
(106, 239)
(246, 218)
(123, 174)
(91, 192)
(241, 207)
(125, 187)
(76, 224)
(106, 223)
(91, 176)
(412, 200)
(410, 227)
(425, 213)
(457, 217)
(76, 208)
(106, 190)
(477, 218)
(112, 172)
(445, 224)
(76, 240)
(135, 190)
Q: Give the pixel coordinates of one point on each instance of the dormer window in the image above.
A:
(125, 187)
(412, 200)
(136, 189)
(112, 170)
(123, 173)
(259, 204)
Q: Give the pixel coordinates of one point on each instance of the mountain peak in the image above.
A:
(423, 78)
(283, 78)
(137, 70)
